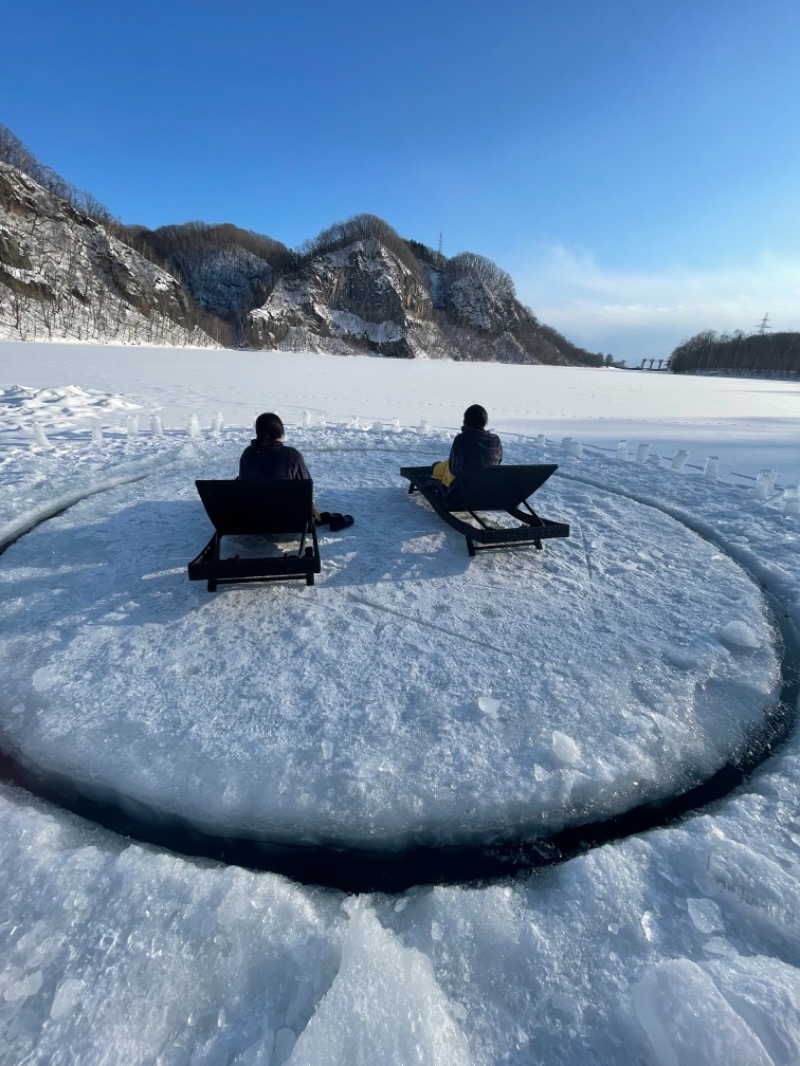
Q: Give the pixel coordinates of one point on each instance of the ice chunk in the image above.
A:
(718, 945)
(687, 1019)
(705, 914)
(679, 461)
(156, 426)
(488, 705)
(193, 426)
(67, 997)
(565, 748)
(740, 634)
(358, 1021)
(758, 887)
(622, 450)
(642, 452)
(14, 987)
(133, 425)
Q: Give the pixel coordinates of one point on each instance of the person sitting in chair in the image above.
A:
(267, 458)
(474, 448)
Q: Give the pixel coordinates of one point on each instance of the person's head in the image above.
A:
(476, 417)
(269, 427)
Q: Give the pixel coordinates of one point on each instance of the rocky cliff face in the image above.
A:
(366, 298)
(360, 298)
(62, 274)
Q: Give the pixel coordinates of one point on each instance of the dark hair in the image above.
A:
(269, 426)
(476, 416)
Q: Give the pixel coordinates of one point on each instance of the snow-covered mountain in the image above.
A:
(69, 270)
(357, 288)
(64, 275)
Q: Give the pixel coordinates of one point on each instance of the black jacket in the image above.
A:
(272, 461)
(473, 449)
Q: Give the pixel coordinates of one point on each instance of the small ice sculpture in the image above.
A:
(133, 425)
(765, 483)
(193, 426)
(622, 450)
(40, 436)
(642, 453)
(156, 426)
(217, 423)
(305, 419)
(711, 470)
(679, 462)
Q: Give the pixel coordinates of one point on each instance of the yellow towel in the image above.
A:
(442, 473)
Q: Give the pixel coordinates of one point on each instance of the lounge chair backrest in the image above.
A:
(252, 507)
(497, 488)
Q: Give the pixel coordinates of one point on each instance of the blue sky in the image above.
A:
(633, 164)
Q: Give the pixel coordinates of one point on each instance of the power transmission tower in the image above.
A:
(763, 325)
(440, 244)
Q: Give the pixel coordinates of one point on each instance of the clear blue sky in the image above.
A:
(634, 164)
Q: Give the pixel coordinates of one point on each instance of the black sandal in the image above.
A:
(340, 521)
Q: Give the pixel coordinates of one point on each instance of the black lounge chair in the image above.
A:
(242, 508)
(495, 488)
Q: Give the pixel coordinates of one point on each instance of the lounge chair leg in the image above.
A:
(309, 579)
(212, 585)
(470, 546)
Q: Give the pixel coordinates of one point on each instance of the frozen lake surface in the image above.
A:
(412, 694)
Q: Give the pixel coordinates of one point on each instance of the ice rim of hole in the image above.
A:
(355, 869)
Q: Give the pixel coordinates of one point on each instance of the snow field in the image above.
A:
(681, 945)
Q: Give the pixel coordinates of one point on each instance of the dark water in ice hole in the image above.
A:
(354, 870)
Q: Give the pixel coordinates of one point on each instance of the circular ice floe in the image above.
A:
(411, 695)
